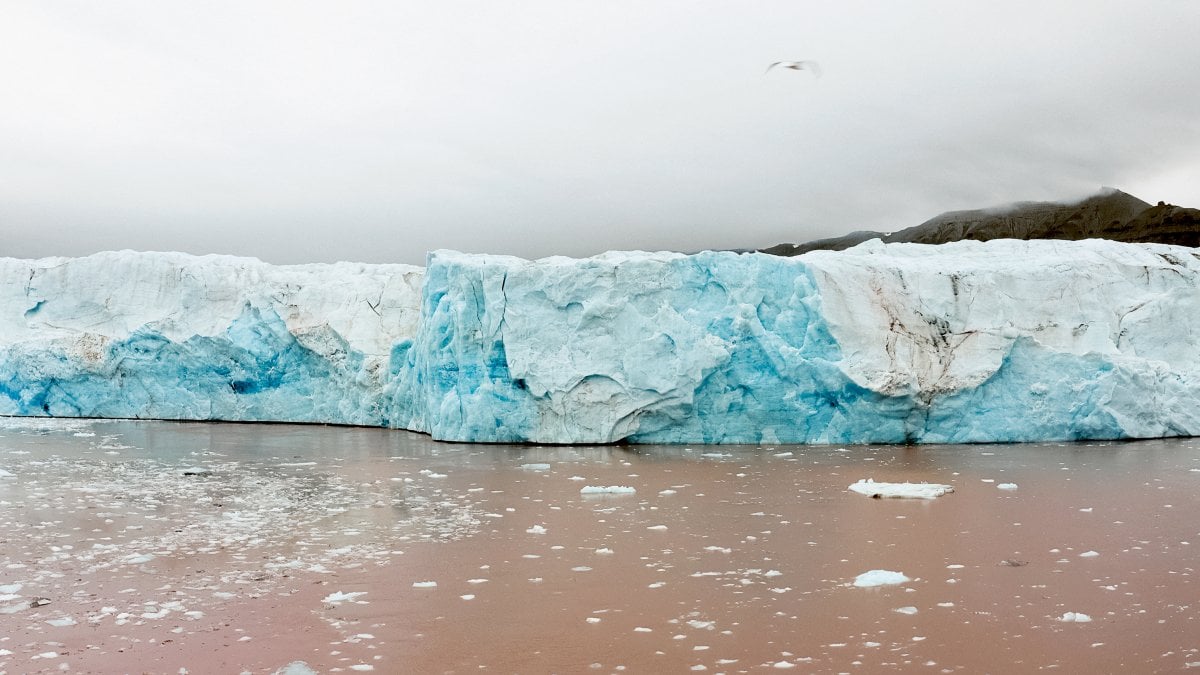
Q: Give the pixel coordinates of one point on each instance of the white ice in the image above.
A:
(606, 490)
(870, 488)
(879, 578)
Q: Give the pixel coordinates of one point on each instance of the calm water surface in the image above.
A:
(167, 547)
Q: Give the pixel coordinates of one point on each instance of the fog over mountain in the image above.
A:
(1110, 214)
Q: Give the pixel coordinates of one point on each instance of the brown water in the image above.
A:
(725, 559)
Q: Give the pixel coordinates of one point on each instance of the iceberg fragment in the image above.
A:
(870, 488)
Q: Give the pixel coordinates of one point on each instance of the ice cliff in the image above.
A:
(972, 341)
(173, 336)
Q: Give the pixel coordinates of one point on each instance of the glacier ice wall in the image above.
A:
(173, 336)
(966, 342)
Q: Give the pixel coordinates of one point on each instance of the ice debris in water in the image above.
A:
(536, 467)
(1075, 617)
(424, 584)
(339, 596)
(879, 578)
(606, 490)
(536, 529)
(870, 488)
(295, 668)
(1006, 486)
(6, 474)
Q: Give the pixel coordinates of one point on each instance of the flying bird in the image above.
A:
(811, 66)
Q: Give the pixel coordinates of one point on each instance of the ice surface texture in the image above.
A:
(967, 342)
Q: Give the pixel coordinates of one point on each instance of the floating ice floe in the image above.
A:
(536, 529)
(874, 578)
(424, 584)
(296, 668)
(536, 467)
(606, 490)
(870, 488)
(339, 597)
(7, 474)
(1075, 617)
(1006, 486)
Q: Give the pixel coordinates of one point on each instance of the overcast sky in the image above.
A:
(375, 131)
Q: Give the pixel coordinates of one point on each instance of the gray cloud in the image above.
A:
(376, 131)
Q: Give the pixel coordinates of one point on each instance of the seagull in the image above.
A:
(811, 66)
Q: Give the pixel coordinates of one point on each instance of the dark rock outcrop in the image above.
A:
(1111, 214)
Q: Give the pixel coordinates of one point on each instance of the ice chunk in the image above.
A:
(296, 668)
(870, 488)
(879, 578)
(1075, 617)
(424, 584)
(606, 490)
(339, 597)
(1006, 486)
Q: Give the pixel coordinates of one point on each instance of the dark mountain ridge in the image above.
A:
(1111, 214)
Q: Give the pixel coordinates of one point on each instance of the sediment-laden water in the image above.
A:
(167, 547)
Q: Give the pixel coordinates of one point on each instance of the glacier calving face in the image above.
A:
(173, 336)
(967, 342)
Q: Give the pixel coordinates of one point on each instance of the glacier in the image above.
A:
(180, 337)
(997, 341)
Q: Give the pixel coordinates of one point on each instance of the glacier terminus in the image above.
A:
(997, 341)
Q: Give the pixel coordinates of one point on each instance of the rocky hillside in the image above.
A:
(1111, 214)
